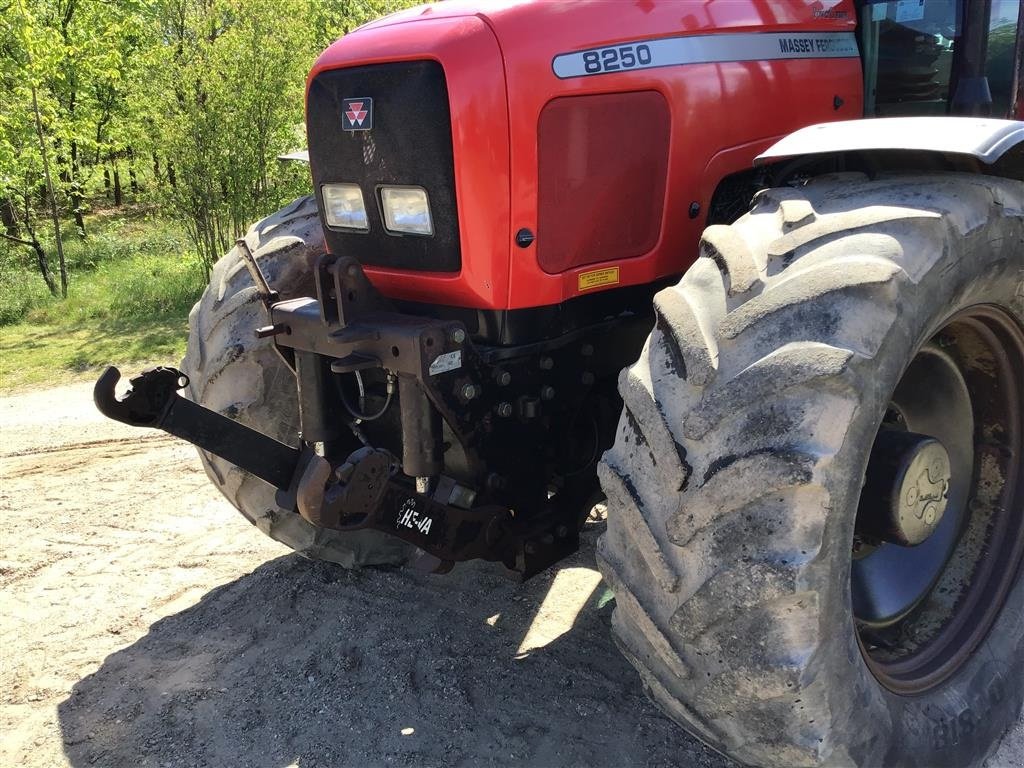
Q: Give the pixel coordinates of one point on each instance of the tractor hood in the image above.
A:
(553, 139)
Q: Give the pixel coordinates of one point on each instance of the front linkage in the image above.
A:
(502, 502)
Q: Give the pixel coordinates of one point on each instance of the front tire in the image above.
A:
(734, 482)
(235, 374)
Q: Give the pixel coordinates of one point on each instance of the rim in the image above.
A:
(921, 609)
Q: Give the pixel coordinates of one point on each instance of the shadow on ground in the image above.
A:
(299, 663)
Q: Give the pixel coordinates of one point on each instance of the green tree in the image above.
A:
(210, 90)
(26, 132)
(226, 91)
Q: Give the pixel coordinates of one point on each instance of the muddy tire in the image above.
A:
(734, 482)
(233, 373)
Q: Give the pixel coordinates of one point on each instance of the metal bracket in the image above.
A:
(268, 294)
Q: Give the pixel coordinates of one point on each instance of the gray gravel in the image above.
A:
(146, 624)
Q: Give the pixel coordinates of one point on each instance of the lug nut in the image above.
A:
(587, 350)
(469, 391)
(587, 378)
(503, 378)
(546, 363)
(529, 407)
(547, 393)
(458, 335)
(504, 410)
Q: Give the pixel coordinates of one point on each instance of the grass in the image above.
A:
(131, 284)
(33, 355)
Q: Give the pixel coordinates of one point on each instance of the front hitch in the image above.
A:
(152, 401)
(368, 490)
(146, 400)
(349, 328)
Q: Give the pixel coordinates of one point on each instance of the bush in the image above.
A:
(20, 291)
(142, 269)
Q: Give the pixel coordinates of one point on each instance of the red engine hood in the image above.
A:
(498, 60)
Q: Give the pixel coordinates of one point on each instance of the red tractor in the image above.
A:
(649, 250)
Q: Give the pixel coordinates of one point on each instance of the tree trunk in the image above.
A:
(9, 217)
(133, 181)
(117, 187)
(44, 266)
(32, 242)
(156, 168)
(76, 210)
(170, 174)
(41, 255)
(106, 181)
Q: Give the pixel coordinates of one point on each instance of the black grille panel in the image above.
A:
(410, 144)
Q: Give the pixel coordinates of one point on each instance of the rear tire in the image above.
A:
(734, 481)
(233, 373)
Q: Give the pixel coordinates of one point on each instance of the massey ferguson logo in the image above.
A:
(357, 114)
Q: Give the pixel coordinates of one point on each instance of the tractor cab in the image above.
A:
(939, 58)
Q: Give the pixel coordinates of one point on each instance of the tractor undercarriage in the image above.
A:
(490, 452)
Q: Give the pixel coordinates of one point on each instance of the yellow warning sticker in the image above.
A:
(598, 277)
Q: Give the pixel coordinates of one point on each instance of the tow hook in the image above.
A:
(152, 401)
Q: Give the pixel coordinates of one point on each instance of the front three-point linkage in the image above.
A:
(365, 491)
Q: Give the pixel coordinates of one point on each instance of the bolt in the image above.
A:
(530, 548)
(504, 378)
(524, 238)
(469, 391)
(458, 335)
(561, 531)
(546, 363)
(495, 481)
(547, 393)
(353, 270)
(587, 378)
(587, 350)
(504, 410)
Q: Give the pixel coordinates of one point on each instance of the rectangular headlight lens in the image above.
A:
(406, 210)
(344, 207)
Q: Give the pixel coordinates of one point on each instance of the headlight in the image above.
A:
(343, 206)
(406, 210)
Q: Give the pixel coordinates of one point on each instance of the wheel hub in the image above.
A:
(906, 488)
(939, 539)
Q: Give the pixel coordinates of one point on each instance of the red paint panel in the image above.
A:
(603, 161)
(497, 58)
(468, 51)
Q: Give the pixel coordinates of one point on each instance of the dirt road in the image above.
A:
(144, 623)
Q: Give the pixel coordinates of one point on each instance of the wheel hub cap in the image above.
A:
(906, 489)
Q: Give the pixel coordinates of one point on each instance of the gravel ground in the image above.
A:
(144, 623)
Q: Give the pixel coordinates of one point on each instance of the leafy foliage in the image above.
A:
(194, 99)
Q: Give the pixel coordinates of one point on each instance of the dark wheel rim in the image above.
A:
(921, 610)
